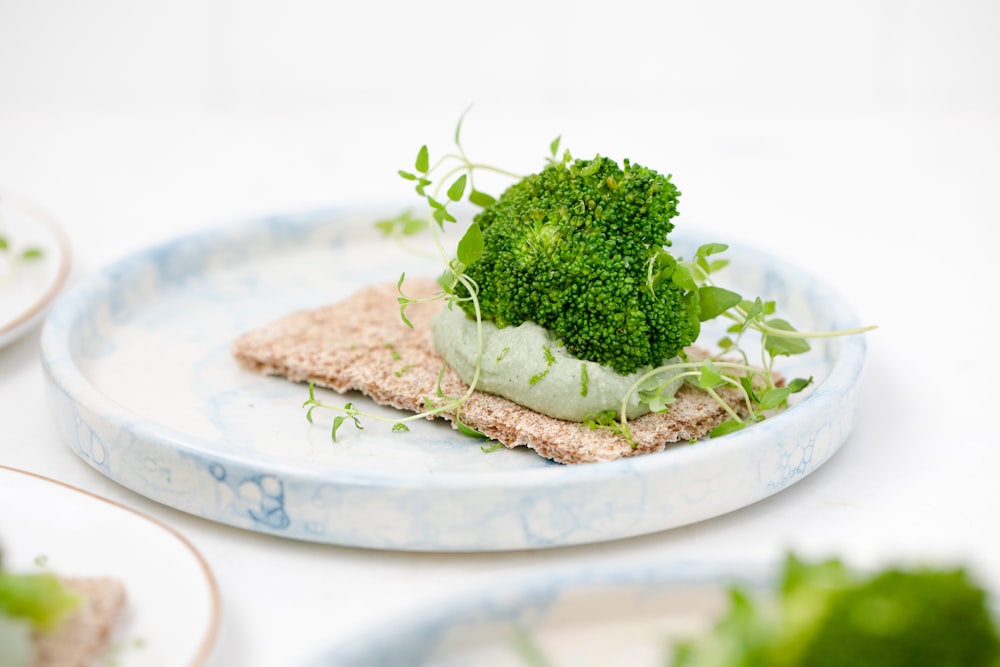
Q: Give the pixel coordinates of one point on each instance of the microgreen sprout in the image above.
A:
(755, 384)
(446, 181)
(12, 256)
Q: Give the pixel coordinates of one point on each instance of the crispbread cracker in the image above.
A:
(82, 639)
(362, 344)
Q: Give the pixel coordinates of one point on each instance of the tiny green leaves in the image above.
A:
(656, 399)
(709, 375)
(439, 212)
(481, 199)
(682, 277)
(777, 397)
(467, 430)
(708, 249)
(470, 247)
(28, 254)
(728, 426)
(457, 188)
(350, 412)
(715, 300)
(405, 224)
(403, 300)
(422, 164)
(777, 344)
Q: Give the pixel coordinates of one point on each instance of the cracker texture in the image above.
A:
(361, 344)
(83, 638)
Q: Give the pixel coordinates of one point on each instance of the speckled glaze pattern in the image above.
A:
(142, 386)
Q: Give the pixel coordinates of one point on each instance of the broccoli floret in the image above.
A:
(827, 616)
(937, 619)
(575, 249)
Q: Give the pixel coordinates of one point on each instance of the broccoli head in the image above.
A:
(825, 615)
(579, 250)
(911, 618)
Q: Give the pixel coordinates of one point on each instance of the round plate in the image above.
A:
(27, 288)
(172, 611)
(583, 617)
(145, 389)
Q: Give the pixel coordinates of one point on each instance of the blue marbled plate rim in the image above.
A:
(414, 638)
(67, 385)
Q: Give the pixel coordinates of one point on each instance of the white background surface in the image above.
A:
(858, 139)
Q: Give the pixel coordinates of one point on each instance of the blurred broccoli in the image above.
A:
(579, 250)
(826, 616)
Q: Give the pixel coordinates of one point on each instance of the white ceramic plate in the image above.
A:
(27, 288)
(581, 618)
(144, 388)
(173, 606)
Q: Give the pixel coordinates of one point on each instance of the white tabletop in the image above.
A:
(894, 202)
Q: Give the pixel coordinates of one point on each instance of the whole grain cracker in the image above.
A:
(362, 344)
(83, 638)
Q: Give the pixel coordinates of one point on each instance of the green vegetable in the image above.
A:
(580, 249)
(39, 598)
(828, 616)
(570, 249)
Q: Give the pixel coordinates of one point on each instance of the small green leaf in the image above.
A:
(777, 344)
(554, 147)
(337, 422)
(798, 384)
(728, 426)
(746, 381)
(400, 427)
(711, 249)
(423, 160)
(403, 303)
(467, 430)
(489, 449)
(481, 199)
(656, 400)
(717, 265)
(709, 376)
(752, 308)
(457, 188)
(715, 300)
(407, 175)
(774, 398)
(4, 243)
(682, 278)
(470, 248)
(405, 224)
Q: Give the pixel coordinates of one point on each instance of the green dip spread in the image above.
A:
(528, 366)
